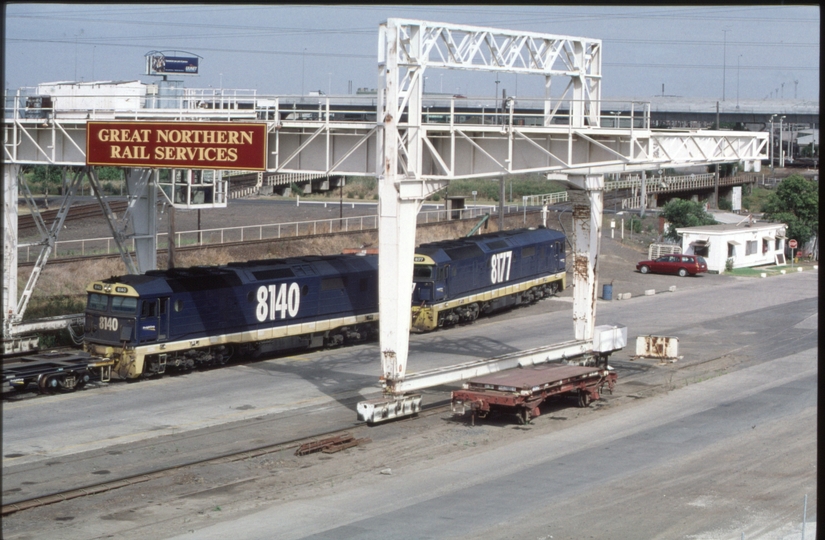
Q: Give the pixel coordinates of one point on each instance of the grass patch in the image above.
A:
(758, 271)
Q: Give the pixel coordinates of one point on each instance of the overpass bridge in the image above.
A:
(413, 152)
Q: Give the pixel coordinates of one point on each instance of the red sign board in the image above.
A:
(792, 244)
(177, 145)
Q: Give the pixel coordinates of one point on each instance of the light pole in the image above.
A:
(496, 96)
(781, 150)
(770, 142)
(737, 80)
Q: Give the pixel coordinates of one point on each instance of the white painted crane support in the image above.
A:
(588, 203)
(477, 368)
(10, 172)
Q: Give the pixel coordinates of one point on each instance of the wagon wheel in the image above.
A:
(48, 384)
(584, 398)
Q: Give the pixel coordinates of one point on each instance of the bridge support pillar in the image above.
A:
(141, 185)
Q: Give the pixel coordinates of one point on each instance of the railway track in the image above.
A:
(25, 222)
(103, 487)
(627, 373)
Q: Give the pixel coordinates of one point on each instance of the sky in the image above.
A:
(754, 52)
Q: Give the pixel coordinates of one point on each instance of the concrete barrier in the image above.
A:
(763, 274)
(650, 292)
(672, 288)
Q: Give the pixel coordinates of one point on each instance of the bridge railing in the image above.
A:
(101, 101)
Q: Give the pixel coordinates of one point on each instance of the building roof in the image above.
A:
(727, 217)
(725, 228)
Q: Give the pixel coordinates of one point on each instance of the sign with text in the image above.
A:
(160, 64)
(177, 145)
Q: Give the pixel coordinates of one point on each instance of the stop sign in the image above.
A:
(792, 244)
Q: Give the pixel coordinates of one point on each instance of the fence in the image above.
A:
(246, 233)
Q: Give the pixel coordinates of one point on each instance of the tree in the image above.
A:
(681, 213)
(44, 177)
(796, 204)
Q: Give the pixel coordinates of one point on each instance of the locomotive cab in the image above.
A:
(111, 313)
(429, 280)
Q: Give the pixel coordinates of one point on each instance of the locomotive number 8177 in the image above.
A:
(501, 263)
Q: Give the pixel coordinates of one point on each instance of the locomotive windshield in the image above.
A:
(120, 304)
(123, 304)
(97, 302)
(423, 272)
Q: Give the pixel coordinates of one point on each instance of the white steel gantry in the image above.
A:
(415, 159)
(415, 153)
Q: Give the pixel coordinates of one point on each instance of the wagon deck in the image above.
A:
(521, 391)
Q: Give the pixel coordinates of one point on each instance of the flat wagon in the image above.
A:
(53, 371)
(521, 391)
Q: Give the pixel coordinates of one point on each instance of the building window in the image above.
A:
(765, 245)
(778, 245)
(731, 250)
(750, 247)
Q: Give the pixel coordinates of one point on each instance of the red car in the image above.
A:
(674, 264)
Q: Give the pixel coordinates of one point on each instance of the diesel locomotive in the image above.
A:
(189, 317)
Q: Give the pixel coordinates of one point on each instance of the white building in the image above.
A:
(747, 243)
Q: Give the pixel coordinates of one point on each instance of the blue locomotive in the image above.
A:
(200, 316)
(458, 280)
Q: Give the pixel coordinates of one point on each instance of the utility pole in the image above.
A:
(724, 61)
(737, 81)
(171, 238)
(716, 176)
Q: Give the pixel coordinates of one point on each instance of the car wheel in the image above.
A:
(682, 272)
(644, 269)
